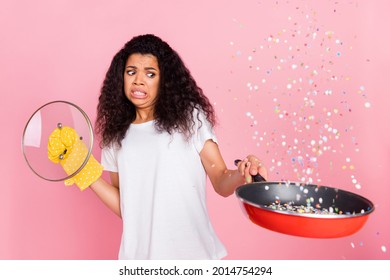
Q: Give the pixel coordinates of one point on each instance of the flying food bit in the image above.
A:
(355, 182)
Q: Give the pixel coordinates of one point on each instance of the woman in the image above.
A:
(159, 145)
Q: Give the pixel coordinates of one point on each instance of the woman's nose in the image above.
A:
(138, 79)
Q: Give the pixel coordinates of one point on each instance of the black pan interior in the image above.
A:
(265, 193)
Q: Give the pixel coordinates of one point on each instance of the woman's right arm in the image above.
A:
(108, 193)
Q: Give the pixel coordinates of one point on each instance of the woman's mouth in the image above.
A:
(138, 93)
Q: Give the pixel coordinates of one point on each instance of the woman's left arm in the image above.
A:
(224, 180)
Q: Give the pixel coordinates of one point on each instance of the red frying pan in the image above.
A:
(304, 210)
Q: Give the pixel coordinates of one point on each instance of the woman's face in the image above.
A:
(141, 80)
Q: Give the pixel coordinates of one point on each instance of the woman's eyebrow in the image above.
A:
(150, 68)
(146, 68)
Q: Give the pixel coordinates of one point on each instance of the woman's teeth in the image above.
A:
(139, 93)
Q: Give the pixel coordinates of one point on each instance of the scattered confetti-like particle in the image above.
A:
(384, 249)
(304, 151)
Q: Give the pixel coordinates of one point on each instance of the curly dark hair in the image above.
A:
(177, 98)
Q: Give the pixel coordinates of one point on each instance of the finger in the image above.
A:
(255, 168)
(247, 173)
(255, 165)
(242, 165)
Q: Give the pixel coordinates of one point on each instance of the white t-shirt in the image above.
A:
(163, 194)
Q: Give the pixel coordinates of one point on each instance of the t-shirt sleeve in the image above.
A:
(204, 131)
(109, 159)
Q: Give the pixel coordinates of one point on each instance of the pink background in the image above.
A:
(301, 84)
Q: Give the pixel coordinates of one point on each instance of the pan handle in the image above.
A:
(256, 178)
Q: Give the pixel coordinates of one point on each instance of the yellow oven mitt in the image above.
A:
(66, 147)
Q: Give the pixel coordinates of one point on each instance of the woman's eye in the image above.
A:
(150, 75)
(131, 72)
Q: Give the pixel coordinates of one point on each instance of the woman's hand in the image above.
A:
(66, 147)
(250, 167)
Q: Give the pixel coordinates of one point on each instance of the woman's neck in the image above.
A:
(143, 116)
